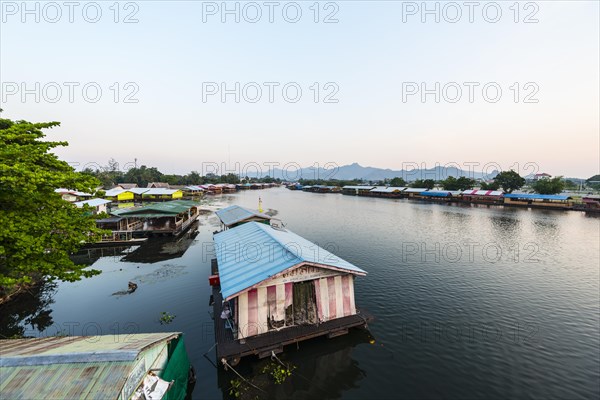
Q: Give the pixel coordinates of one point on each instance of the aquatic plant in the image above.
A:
(166, 318)
(279, 373)
(237, 388)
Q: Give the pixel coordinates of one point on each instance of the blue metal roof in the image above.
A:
(253, 252)
(234, 214)
(436, 194)
(535, 196)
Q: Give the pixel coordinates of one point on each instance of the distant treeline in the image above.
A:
(110, 176)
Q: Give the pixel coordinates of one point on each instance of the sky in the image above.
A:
(187, 85)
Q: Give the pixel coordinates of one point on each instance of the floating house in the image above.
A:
(97, 205)
(538, 200)
(227, 187)
(483, 196)
(212, 189)
(170, 217)
(72, 195)
(119, 367)
(387, 191)
(138, 192)
(414, 192)
(119, 194)
(591, 202)
(235, 215)
(193, 190)
(162, 194)
(441, 195)
(276, 288)
(323, 189)
(357, 190)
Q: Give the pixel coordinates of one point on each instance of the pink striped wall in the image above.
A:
(256, 307)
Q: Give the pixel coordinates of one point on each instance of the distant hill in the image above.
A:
(356, 171)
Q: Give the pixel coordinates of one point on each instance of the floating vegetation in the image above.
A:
(237, 388)
(279, 373)
(166, 318)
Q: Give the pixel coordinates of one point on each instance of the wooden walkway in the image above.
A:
(233, 350)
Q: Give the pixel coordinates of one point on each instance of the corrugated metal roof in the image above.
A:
(168, 208)
(92, 202)
(158, 185)
(253, 252)
(484, 192)
(71, 367)
(138, 190)
(128, 185)
(160, 191)
(73, 192)
(389, 189)
(437, 193)
(234, 214)
(535, 196)
(116, 191)
(415, 190)
(358, 187)
(194, 187)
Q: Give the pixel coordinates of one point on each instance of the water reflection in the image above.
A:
(162, 249)
(31, 311)
(506, 227)
(324, 369)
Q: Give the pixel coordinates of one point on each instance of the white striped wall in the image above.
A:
(335, 299)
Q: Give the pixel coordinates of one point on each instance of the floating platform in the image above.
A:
(262, 345)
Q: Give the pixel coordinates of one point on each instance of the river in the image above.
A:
(470, 301)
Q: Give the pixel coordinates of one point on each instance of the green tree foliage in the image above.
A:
(509, 181)
(398, 182)
(593, 182)
(462, 183)
(489, 186)
(39, 229)
(571, 185)
(549, 186)
(423, 183)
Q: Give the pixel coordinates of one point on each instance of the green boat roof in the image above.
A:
(165, 209)
(82, 367)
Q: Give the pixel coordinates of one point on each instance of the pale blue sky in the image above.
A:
(368, 54)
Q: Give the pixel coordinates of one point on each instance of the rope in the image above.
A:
(212, 347)
(241, 377)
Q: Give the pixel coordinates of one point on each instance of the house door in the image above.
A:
(304, 303)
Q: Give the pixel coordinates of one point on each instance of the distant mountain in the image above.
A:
(356, 171)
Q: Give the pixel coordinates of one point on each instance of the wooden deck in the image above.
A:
(232, 350)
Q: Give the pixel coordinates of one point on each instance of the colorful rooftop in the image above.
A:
(253, 252)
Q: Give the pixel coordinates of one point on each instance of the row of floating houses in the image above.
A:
(157, 210)
(589, 203)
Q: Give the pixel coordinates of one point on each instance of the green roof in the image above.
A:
(82, 367)
(165, 209)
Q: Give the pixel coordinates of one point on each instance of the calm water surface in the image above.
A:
(470, 302)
